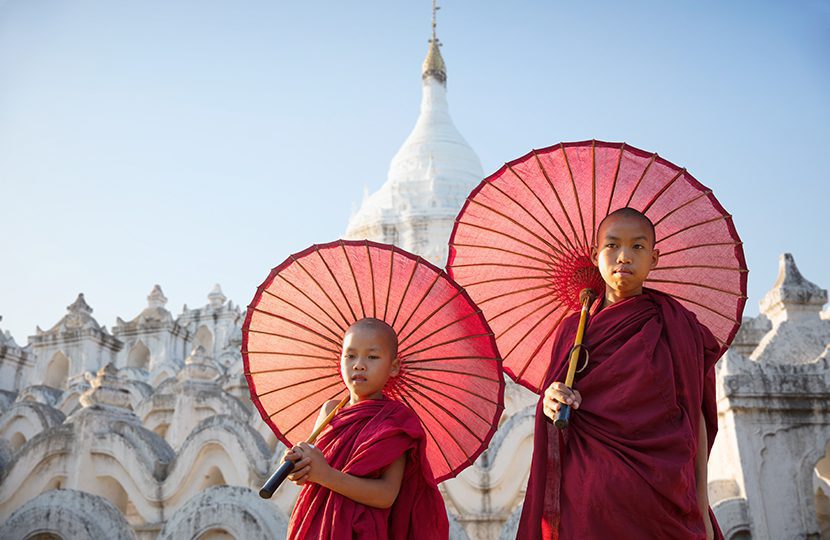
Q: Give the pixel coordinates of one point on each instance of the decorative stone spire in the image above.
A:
(156, 299)
(153, 315)
(434, 65)
(216, 297)
(793, 306)
(79, 306)
(792, 296)
(78, 317)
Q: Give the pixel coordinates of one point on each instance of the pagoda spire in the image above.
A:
(434, 65)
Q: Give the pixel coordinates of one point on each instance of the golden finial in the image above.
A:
(434, 64)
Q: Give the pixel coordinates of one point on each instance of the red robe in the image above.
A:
(362, 440)
(625, 467)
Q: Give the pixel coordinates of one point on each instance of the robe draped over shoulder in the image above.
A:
(625, 467)
(362, 440)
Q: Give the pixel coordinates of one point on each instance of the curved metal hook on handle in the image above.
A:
(587, 356)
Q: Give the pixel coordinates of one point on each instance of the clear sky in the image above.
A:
(193, 142)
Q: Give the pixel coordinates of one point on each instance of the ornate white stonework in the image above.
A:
(159, 443)
(112, 454)
(154, 342)
(769, 472)
(17, 362)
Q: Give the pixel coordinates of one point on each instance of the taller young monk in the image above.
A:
(632, 463)
(367, 477)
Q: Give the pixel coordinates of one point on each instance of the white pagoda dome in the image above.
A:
(429, 178)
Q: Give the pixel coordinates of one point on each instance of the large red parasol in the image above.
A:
(521, 244)
(450, 369)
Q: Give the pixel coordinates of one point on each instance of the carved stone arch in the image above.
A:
(112, 490)
(733, 517)
(214, 477)
(205, 464)
(821, 489)
(159, 376)
(806, 482)
(222, 441)
(204, 338)
(67, 514)
(37, 467)
(231, 510)
(16, 441)
(57, 371)
(25, 419)
(216, 533)
(139, 356)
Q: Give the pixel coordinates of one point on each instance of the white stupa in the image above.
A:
(429, 178)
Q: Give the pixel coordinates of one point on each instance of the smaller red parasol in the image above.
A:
(450, 376)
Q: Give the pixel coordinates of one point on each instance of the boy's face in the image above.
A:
(367, 362)
(624, 254)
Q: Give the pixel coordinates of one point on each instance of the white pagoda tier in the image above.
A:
(429, 178)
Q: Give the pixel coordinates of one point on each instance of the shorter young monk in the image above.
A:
(632, 462)
(367, 476)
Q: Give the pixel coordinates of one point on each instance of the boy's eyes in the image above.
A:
(612, 246)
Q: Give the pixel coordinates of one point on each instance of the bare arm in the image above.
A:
(701, 464)
(377, 492)
(327, 407)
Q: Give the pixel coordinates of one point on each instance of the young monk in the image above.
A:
(368, 476)
(632, 463)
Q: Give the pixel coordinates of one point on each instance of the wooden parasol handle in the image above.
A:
(279, 476)
(587, 297)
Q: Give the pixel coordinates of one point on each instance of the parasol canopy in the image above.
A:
(450, 376)
(522, 242)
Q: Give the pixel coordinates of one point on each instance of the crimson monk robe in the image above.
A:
(625, 467)
(362, 440)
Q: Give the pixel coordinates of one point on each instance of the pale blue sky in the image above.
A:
(187, 143)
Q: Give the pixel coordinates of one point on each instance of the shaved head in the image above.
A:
(386, 332)
(629, 213)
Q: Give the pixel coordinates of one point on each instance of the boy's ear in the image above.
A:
(595, 255)
(396, 367)
(655, 256)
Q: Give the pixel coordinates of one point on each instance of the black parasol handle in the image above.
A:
(562, 416)
(271, 485)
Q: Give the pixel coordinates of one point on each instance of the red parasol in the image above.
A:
(521, 244)
(450, 370)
